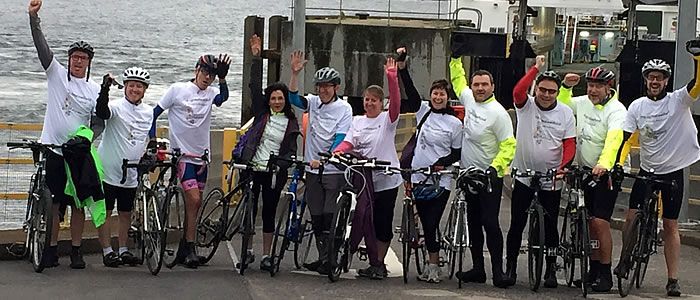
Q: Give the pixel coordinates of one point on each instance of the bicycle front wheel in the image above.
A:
(566, 243)
(535, 247)
(246, 230)
(628, 262)
(337, 243)
(173, 216)
(136, 231)
(154, 233)
(211, 220)
(41, 226)
(584, 248)
(406, 239)
(280, 236)
(647, 244)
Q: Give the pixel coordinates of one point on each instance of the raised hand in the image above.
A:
(571, 79)
(34, 6)
(390, 66)
(540, 62)
(224, 63)
(255, 45)
(298, 62)
(401, 61)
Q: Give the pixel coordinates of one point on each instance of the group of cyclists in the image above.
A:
(554, 131)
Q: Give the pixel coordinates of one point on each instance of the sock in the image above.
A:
(107, 251)
(123, 249)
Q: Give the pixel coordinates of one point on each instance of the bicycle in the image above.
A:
(339, 253)
(213, 221)
(575, 240)
(147, 220)
(456, 239)
(293, 224)
(642, 236)
(169, 193)
(536, 238)
(38, 222)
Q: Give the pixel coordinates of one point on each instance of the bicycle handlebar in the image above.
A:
(31, 145)
(347, 161)
(647, 179)
(550, 175)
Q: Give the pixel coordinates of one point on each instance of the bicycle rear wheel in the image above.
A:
(535, 247)
(406, 240)
(303, 247)
(41, 226)
(154, 234)
(566, 238)
(584, 251)
(337, 244)
(449, 242)
(627, 276)
(281, 231)
(211, 219)
(173, 216)
(247, 230)
(136, 231)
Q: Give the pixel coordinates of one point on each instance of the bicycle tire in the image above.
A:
(246, 231)
(336, 239)
(584, 242)
(174, 225)
(461, 232)
(566, 238)
(450, 252)
(42, 223)
(535, 245)
(300, 258)
(136, 231)
(625, 281)
(406, 240)
(281, 231)
(211, 221)
(647, 245)
(155, 239)
(29, 215)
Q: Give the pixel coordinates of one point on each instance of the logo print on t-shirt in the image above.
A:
(190, 114)
(66, 106)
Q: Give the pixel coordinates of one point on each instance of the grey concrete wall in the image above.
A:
(358, 52)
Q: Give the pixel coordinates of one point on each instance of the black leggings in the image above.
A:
(263, 180)
(520, 201)
(430, 213)
(482, 215)
(384, 203)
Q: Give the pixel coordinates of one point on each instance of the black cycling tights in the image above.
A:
(482, 215)
(430, 213)
(520, 202)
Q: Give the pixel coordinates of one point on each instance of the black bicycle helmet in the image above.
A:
(657, 65)
(81, 46)
(208, 63)
(472, 180)
(327, 75)
(601, 75)
(548, 75)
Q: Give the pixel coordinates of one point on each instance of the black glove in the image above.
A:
(402, 57)
(617, 176)
(222, 68)
(693, 47)
(107, 81)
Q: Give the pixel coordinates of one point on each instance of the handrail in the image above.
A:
(479, 16)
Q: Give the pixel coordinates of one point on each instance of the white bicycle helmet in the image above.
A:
(137, 74)
(657, 65)
(327, 75)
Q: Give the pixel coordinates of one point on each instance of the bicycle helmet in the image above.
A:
(82, 46)
(327, 75)
(548, 75)
(208, 63)
(137, 74)
(656, 65)
(601, 75)
(472, 180)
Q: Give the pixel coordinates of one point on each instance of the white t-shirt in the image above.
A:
(125, 137)
(540, 136)
(374, 138)
(486, 125)
(271, 139)
(592, 126)
(324, 122)
(189, 117)
(436, 138)
(668, 138)
(69, 105)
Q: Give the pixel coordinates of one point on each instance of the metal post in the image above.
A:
(522, 19)
(632, 22)
(683, 70)
(573, 39)
(566, 36)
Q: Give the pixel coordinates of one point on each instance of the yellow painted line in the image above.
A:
(17, 161)
(13, 196)
(21, 126)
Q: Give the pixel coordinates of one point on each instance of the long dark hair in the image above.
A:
(278, 86)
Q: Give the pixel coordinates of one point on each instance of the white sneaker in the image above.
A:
(425, 276)
(430, 274)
